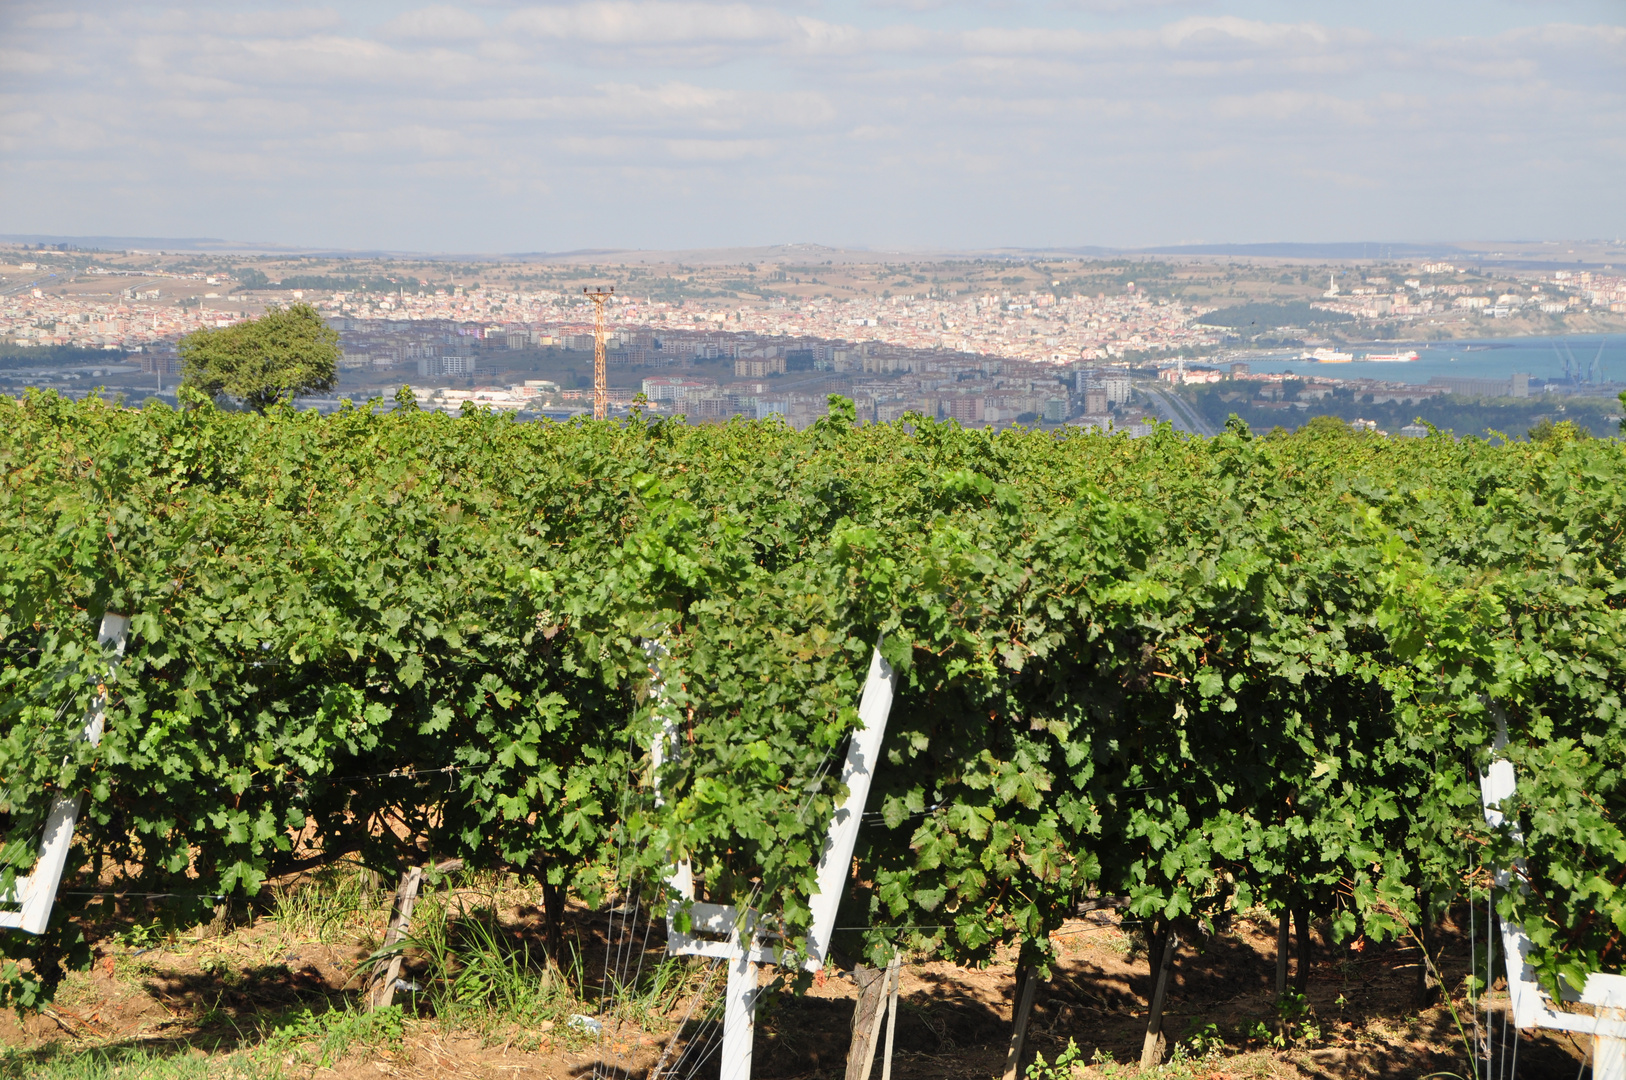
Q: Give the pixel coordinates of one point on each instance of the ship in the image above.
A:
(1390, 358)
(1328, 356)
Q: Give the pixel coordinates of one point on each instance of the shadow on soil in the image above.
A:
(1364, 1003)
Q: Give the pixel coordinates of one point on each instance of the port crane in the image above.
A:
(1576, 372)
(601, 387)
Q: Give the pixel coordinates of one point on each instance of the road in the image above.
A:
(1177, 411)
(13, 288)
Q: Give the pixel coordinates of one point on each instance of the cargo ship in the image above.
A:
(1390, 358)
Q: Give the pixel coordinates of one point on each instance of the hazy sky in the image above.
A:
(895, 123)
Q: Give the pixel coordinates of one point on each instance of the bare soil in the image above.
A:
(215, 995)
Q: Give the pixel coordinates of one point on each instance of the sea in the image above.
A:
(1595, 360)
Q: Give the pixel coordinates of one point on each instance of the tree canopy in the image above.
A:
(284, 353)
(1263, 315)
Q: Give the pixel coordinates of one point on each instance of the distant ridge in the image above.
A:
(146, 243)
(1346, 250)
(1514, 254)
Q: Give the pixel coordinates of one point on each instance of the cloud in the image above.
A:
(51, 20)
(1181, 121)
(436, 24)
(1125, 7)
(711, 108)
(1347, 180)
(282, 22)
(720, 149)
(25, 62)
(1220, 39)
(1228, 33)
(644, 33)
(1280, 107)
(619, 22)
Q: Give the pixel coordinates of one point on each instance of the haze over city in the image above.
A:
(918, 124)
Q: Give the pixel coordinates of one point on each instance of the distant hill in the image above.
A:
(139, 243)
(1344, 250)
(1261, 317)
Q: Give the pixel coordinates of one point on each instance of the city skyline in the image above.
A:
(910, 123)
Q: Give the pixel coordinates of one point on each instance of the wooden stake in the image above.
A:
(892, 1016)
(1282, 929)
(1301, 973)
(1151, 1051)
(553, 917)
(381, 988)
(1029, 985)
(888, 999)
(866, 1020)
(1428, 984)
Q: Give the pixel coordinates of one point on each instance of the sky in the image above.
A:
(884, 124)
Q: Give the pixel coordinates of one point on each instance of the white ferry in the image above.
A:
(1390, 358)
(1328, 356)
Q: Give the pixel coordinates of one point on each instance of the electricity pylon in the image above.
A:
(601, 388)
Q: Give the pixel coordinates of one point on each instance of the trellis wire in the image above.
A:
(711, 977)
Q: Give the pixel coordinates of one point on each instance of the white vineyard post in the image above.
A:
(739, 1017)
(725, 932)
(1529, 1004)
(35, 894)
(863, 757)
(681, 877)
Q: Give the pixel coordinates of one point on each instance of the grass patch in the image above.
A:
(330, 906)
(483, 977)
(292, 1045)
(320, 1040)
(128, 1063)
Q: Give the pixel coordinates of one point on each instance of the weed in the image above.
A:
(1203, 1040)
(315, 1040)
(214, 1015)
(1138, 944)
(1295, 1028)
(322, 1039)
(1061, 1069)
(1473, 982)
(219, 966)
(1118, 942)
(145, 935)
(129, 1063)
(653, 993)
(321, 908)
(1296, 1023)
(480, 976)
(1183, 1065)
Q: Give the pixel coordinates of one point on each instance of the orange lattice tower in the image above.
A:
(601, 386)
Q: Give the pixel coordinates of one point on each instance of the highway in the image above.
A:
(13, 288)
(1173, 408)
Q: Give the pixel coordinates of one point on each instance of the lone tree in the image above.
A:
(284, 353)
